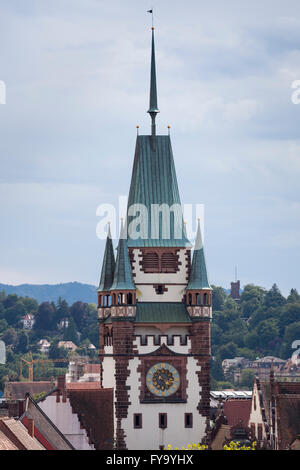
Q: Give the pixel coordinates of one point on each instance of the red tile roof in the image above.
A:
(237, 410)
(18, 435)
(83, 386)
(17, 390)
(94, 408)
(5, 443)
(92, 369)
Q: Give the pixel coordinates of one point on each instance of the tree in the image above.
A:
(57, 353)
(290, 313)
(23, 342)
(251, 299)
(292, 333)
(80, 313)
(273, 297)
(70, 333)
(10, 300)
(10, 337)
(62, 310)
(216, 369)
(227, 351)
(45, 317)
(293, 296)
(247, 378)
(14, 313)
(268, 331)
(31, 305)
(218, 297)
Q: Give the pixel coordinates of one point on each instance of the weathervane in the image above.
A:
(151, 11)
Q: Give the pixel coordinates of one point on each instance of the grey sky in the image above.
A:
(77, 78)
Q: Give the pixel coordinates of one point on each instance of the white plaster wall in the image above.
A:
(108, 376)
(152, 330)
(150, 437)
(67, 422)
(146, 293)
(151, 347)
(256, 414)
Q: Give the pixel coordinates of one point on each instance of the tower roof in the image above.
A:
(153, 184)
(108, 265)
(122, 276)
(198, 275)
(159, 221)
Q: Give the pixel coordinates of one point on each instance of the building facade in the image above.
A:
(154, 308)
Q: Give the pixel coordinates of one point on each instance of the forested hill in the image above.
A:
(71, 292)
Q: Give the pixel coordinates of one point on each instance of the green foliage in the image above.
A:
(218, 297)
(263, 323)
(70, 333)
(247, 379)
(45, 318)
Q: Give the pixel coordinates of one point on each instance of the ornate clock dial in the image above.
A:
(163, 379)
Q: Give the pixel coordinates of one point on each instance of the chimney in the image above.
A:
(61, 385)
(13, 409)
(21, 407)
(30, 427)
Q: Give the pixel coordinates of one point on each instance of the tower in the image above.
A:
(154, 308)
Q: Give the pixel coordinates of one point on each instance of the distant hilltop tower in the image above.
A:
(235, 288)
(155, 309)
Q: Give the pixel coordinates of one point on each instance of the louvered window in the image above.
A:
(168, 263)
(151, 263)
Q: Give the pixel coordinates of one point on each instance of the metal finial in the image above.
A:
(151, 11)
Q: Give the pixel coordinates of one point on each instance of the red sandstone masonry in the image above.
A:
(123, 336)
(200, 345)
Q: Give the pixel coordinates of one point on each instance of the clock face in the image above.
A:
(163, 379)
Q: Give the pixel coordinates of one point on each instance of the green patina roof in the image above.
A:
(161, 312)
(108, 265)
(154, 182)
(123, 276)
(198, 275)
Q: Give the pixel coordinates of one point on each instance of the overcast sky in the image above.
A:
(77, 79)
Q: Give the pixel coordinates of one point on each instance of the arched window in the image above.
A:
(129, 298)
(190, 299)
(198, 299)
(205, 299)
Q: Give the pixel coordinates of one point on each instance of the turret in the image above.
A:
(123, 290)
(198, 290)
(107, 274)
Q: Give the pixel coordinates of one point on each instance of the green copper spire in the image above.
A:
(108, 266)
(123, 276)
(198, 277)
(153, 109)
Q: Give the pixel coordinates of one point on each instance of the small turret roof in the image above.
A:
(108, 265)
(123, 279)
(198, 276)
